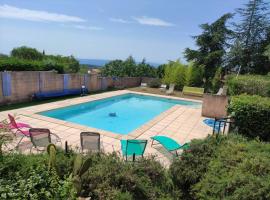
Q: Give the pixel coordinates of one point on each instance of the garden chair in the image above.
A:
(27, 134)
(163, 87)
(171, 89)
(90, 142)
(15, 125)
(133, 148)
(143, 85)
(40, 138)
(169, 144)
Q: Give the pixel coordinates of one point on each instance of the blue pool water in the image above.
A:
(120, 114)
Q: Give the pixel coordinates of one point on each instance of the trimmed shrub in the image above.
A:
(188, 170)
(14, 64)
(109, 175)
(249, 84)
(251, 115)
(223, 167)
(240, 170)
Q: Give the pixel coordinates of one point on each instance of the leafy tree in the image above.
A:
(216, 82)
(267, 51)
(212, 44)
(26, 53)
(145, 70)
(161, 70)
(250, 37)
(194, 75)
(128, 68)
(175, 72)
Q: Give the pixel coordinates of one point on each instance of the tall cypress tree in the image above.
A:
(250, 35)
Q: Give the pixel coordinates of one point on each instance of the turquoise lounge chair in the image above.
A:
(169, 144)
(133, 148)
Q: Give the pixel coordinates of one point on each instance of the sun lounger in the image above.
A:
(163, 87)
(143, 85)
(169, 144)
(171, 89)
(194, 91)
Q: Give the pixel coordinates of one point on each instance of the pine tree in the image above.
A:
(250, 33)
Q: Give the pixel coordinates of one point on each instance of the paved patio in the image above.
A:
(179, 122)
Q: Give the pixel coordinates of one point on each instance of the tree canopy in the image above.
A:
(30, 59)
(251, 36)
(211, 46)
(128, 68)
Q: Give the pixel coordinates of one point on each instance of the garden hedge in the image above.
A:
(14, 64)
(217, 167)
(251, 115)
(249, 84)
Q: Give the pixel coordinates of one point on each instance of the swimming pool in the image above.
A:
(119, 114)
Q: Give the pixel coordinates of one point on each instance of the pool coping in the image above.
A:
(132, 135)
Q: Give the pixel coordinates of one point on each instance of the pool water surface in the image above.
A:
(119, 114)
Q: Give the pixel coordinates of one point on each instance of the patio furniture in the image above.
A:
(194, 91)
(171, 89)
(133, 148)
(40, 138)
(90, 141)
(26, 133)
(15, 125)
(163, 87)
(58, 93)
(143, 85)
(220, 91)
(169, 144)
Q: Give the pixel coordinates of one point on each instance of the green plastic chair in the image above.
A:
(133, 148)
(169, 144)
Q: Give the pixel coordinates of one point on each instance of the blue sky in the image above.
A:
(158, 30)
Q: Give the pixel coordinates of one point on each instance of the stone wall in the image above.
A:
(214, 106)
(25, 84)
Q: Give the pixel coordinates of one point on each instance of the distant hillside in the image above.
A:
(102, 62)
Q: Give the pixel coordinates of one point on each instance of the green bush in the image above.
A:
(240, 170)
(216, 81)
(28, 177)
(109, 175)
(194, 75)
(155, 83)
(188, 170)
(223, 167)
(251, 115)
(249, 84)
(26, 53)
(175, 72)
(14, 64)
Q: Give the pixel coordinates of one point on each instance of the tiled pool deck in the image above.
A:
(179, 122)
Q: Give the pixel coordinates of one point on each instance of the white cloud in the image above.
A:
(120, 20)
(152, 21)
(92, 28)
(12, 12)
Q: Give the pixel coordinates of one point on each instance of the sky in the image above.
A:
(158, 30)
